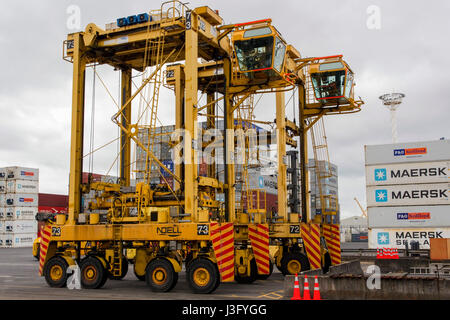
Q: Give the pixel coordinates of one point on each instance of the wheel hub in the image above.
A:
(56, 273)
(159, 275)
(201, 277)
(90, 273)
(294, 267)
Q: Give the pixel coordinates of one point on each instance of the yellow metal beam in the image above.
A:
(125, 141)
(281, 148)
(304, 174)
(230, 179)
(77, 134)
(179, 116)
(190, 119)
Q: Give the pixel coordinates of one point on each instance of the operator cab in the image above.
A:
(332, 81)
(259, 50)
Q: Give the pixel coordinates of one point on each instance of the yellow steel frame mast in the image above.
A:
(77, 134)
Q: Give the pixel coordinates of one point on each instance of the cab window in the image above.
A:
(254, 54)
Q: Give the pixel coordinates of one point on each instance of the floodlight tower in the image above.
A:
(392, 101)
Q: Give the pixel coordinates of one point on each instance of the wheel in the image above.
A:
(160, 275)
(293, 263)
(266, 276)
(218, 278)
(326, 263)
(248, 279)
(203, 276)
(124, 271)
(93, 274)
(55, 272)
(141, 278)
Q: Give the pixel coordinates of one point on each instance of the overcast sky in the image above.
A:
(408, 54)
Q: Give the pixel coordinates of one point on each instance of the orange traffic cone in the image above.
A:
(296, 295)
(316, 295)
(306, 293)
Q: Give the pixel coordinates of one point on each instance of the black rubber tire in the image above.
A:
(218, 278)
(266, 276)
(56, 261)
(214, 276)
(105, 278)
(174, 283)
(140, 278)
(327, 263)
(248, 279)
(101, 274)
(170, 276)
(124, 271)
(300, 257)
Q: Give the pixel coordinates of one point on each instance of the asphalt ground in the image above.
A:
(20, 280)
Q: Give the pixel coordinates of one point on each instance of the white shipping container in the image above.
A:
(396, 238)
(22, 186)
(21, 213)
(2, 174)
(20, 226)
(2, 186)
(408, 173)
(408, 195)
(21, 200)
(18, 240)
(408, 152)
(268, 183)
(409, 216)
(21, 173)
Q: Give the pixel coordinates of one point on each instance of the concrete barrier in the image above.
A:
(403, 264)
(355, 287)
(352, 267)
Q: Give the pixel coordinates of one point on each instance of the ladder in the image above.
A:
(118, 251)
(157, 50)
(154, 56)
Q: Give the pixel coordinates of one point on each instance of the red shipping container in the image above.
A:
(168, 180)
(48, 209)
(53, 200)
(95, 177)
(271, 201)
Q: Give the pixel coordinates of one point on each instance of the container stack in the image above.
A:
(19, 188)
(408, 193)
(329, 184)
(161, 150)
(51, 203)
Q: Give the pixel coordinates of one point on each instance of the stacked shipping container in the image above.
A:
(163, 151)
(19, 188)
(407, 193)
(329, 185)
